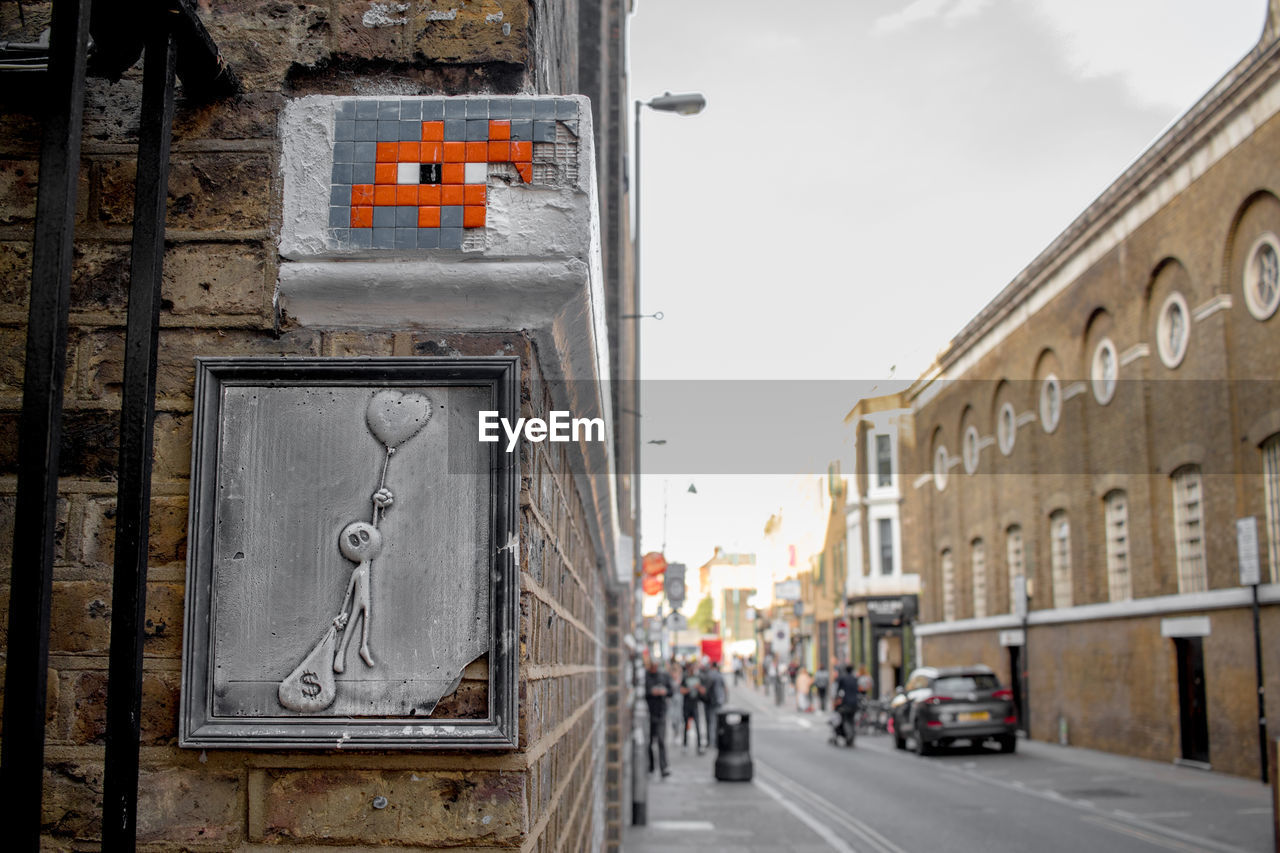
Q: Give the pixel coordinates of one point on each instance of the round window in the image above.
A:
(970, 452)
(1173, 330)
(1105, 371)
(940, 468)
(1050, 403)
(1007, 428)
(1262, 277)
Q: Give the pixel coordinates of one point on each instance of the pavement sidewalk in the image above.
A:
(691, 812)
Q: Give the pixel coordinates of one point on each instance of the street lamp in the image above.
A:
(686, 104)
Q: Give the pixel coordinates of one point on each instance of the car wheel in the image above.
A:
(1008, 743)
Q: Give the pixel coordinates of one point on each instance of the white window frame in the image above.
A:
(853, 551)
(1060, 558)
(971, 449)
(1007, 438)
(875, 456)
(1015, 556)
(1050, 415)
(1271, 497)
(876, 514)
(948, 569)
(1116, 521)
(1189, 529)
(1252, 271)
(941, 462)
(978, 566)
(1104, 386)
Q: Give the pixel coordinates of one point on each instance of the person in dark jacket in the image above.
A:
(689, 684)
(713, 694)
(657, 694)
(847, 699)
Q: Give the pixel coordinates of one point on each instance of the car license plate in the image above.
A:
(973, 717)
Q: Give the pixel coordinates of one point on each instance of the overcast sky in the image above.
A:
(867, 175)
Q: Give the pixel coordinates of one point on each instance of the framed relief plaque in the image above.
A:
(351, 580)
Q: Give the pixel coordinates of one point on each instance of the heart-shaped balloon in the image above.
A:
(395, 417)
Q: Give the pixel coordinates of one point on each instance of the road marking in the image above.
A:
(831, 811)
(683, 825)
(1264, 810)
(1159, 841)
(1135, 822)
(823, 831)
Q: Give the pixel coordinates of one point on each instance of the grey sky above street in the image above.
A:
(867, 175)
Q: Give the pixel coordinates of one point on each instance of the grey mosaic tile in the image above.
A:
(450, 238)
(410, 131)
(521, 130)
(521, 108)
(361, 238)
(406, 217)
(544, 108)
(432, 110)
(428, 238)
(366, 152)
(343, 152)
(406, 238)
(500, 108)
(455, 129)
(450, 216)
(345, 110)
(340, 194)
(410, 110)
(384, 217)
(455, 109)
(366, 130)
(566, 108)
(366, 109)
(341, 237)
(477, 107)
(544, 131)
(344, 130)
(362, 173)
(339, 217)
(384, 238)
(477, 129)
(388, 110)
(388, 130)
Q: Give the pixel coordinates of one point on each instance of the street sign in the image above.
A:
(780, 638)
(788, 590)
(1020, 596)
(1247, 549)
(842, 631)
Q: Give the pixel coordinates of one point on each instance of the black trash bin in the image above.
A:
(733, 746)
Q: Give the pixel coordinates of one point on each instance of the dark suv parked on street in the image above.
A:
(940, 705)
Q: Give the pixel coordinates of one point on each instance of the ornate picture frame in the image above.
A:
(352, 577)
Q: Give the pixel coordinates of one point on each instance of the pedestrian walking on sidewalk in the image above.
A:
(657, 692)
(804, 682)
(847, 700)
(714, 694)
(821, 680)
(689, 691)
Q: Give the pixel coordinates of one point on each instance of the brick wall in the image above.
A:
(220, 275)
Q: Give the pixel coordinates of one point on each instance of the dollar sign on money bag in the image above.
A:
(310, 688)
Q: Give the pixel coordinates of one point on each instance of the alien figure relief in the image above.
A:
(393, 418)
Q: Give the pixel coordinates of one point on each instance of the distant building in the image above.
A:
(1098, 429)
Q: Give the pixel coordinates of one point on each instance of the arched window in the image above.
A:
(978, 561)
(1013, 556)
(1188, 529)
(1271, 494)
(1060, 557)
(1116, 514)
(948, 587)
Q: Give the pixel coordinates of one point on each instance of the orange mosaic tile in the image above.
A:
(455, 152)
(526, 172)
(473, 194)
(452, 194)
(522, 151)
(433, 131)
(477, 152)
(361, 194)
(408, 152)
(473, 216)
(499, 130)
(384, 194)
(431, 152)
(407, 194)
(499, 152)
(429, 216)
(429, 194)
(387, 152)
(453, 173)
(362, 217)
(384, 173)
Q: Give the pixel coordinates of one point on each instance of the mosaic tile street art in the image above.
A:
(416, 173)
